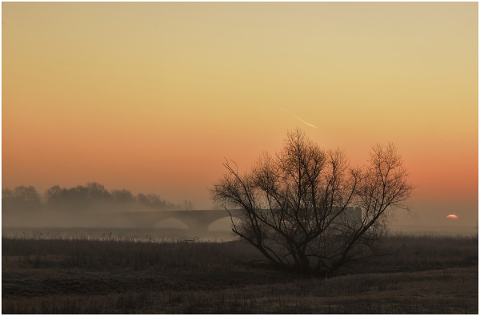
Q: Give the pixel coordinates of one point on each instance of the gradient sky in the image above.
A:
(152, 96)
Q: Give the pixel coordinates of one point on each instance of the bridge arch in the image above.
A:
(223, 224)
(194, 220)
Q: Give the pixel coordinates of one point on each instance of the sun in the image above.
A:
(452, 216)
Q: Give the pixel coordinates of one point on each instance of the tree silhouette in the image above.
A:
(97, 192)
(21, 199)
(92, 197)
(298, 207)
(122, 196)
(52, 196)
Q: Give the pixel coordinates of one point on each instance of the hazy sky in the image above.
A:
(152, 96)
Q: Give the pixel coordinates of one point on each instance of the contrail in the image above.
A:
(299, 118)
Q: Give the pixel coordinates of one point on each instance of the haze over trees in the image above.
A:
(91, 197)
(22, 199)
(296, 205)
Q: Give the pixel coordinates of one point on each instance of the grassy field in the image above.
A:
(114, 275)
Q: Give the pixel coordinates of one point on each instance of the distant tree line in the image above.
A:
(91, 197)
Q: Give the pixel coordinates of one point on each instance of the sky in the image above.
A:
(152, 97)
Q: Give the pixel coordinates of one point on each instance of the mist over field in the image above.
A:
(239, 157)
(93, 206)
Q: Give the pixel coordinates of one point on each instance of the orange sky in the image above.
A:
(152, 96)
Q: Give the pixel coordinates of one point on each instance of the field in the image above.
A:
(49, 273)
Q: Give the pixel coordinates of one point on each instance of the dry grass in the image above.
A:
(420, 275)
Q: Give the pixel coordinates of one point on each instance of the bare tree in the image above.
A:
(298, 207)
(123, 196)
(52, 196)
(22, 199)
(97, 192)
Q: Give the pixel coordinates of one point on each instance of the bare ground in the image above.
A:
(417, 275)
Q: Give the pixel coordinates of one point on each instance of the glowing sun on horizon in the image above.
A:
(452, 216)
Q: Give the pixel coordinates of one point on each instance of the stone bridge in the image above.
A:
(195, 220)
(200, 220)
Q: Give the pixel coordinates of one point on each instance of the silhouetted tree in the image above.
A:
(7, 200)
(7, 194)
(122, 196)
(27, 194)
(79, 198)
(97, 192)
(22, 198)
(92, 198)
(52, 196)
(296, 207)
(153, 201)
(142, 199)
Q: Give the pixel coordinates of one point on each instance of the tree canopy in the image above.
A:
(298, 206)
